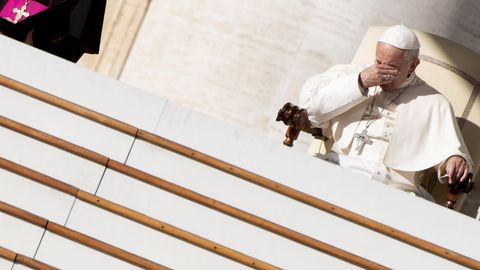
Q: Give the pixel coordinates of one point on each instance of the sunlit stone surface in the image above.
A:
(239, 61)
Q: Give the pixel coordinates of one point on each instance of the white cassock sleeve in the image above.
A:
(332, 93)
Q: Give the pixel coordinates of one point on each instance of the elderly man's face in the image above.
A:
(396, 58)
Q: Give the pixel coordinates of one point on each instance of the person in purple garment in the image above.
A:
(16, 11)
(66, 28)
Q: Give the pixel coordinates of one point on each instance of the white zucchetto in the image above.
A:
(401, 37)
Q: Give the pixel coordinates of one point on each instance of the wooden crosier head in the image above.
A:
(297, 120)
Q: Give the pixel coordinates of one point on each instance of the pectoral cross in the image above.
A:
(361, 140)
(21, 12)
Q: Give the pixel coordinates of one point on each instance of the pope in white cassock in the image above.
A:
(386, 122)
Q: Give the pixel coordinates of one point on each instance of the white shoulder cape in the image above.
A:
(426, 130)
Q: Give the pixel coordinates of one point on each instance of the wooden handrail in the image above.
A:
(309, 200)
(190, 195)
(38, 177)
(7, 254)
(136, 216)
(175, 232)
(24, 260)
(32, 263)
(67, 105)
(23, 215)
(243, 215)
(243, 174)
(103, 247)
(189, 237)
(53, 141)
(79, 237)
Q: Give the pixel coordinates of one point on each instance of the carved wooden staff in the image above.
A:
(297, 120)
(457, 188)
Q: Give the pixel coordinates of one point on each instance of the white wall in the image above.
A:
(239, 61)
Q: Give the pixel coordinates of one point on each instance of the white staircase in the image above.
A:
(130, 180)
